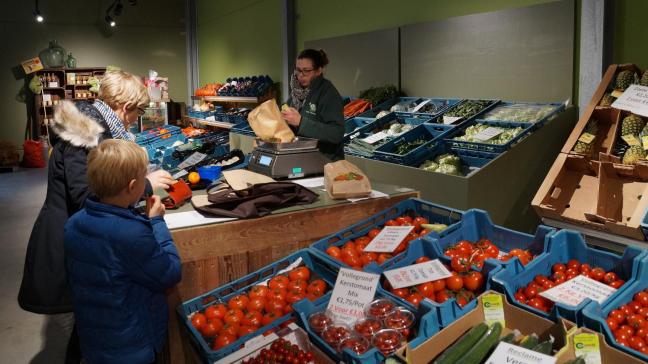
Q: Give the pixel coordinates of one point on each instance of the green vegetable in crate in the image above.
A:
(377, 95)
(430, 166)
(624, 80)
(467, 108)
(398, 129)
(449, 169)
(503, 138)
(452, 354)
(450, 159)
(607, 100)
(644, 79)
(634, 154)
(592, 129)
(407, 147)
(444, 163)
(545, 347)
(478, 352)
(521, 113)
(632, 124)
(529, 341)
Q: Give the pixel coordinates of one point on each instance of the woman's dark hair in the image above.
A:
(317, 56)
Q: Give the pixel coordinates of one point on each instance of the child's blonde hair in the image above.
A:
(113, 164)
(122, 88)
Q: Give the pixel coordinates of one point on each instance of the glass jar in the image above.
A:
(53, 56)
(70, 62)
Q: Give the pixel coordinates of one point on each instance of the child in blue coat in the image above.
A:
(120, 262)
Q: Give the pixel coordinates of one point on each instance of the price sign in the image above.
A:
(587, 346)
(416, 274)
(353, 291)
(375, 138)
(509, 353)
(493, 308)
(634, 99)
(587, 138)
(193, 159)
(631, 140)
(388, 239)
(488, 133)
(575, 290)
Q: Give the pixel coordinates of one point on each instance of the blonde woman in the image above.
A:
(77, 128)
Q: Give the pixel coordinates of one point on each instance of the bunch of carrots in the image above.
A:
(209, 89)
(356, 107)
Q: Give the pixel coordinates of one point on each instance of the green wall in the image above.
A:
(149, 36)
(631, 32)
(239, 38)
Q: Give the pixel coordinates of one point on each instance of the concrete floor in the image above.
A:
(25, 337)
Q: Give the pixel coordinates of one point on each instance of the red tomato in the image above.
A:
(461, 300)
(373, 233)
(404, 220)
(637, 343)
(209, 329)
(300, 273)
(627, 310)
(273, 305)
(252, 318)
(269, 317)
(537, 304)
(636, 306)
(574, 264)
(217, 323)
(585, 267)
(454, 283)
(198, 320)
(400, 292)
(317, 287)
(223, 340)
(460, 264)
(520, 296)
(334, 251)
(297, 285)
(277, 294)
(636, 321)
(617, 284)
(492, 251)
(530, 291)
(442, 296)
(279, 281)
(418, 221)
(414, 298)
(233, 316)
(422, 259)
(439, 285)
(473, 281)
(392, 223)
(246, 330)
(610, 277)
(230, 329)
(294, 296)
(258, 291)
(540, 279)
(612, 324)
(618, 315)
(597, 274)
(464, 248)
(354, 261)
(451, 253)
(368, 257)
(216, 311)
(255, 304)
(426, 289)
(383, 257)
(642, 298)
(558, 267)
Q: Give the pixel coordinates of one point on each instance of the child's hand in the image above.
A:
(154, 206)
(160, 179)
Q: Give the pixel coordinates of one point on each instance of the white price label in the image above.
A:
(416, 274)
(193, 159)
(509, 353)
(488, 133)
(47, 98)
(54, 84)
(575, 290)
(352, 292)
(180, 174)
(419, 106)
(375, 138)
(450, 119)
(634, 99)
(388, 239)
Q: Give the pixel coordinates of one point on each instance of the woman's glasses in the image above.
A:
(303, 72)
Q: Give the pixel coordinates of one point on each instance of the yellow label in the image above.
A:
(587, 345)
(644, 142)
(586, 138)
(493, 308)
(617, 93)
(631, 140)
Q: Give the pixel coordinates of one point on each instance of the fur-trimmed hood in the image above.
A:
(75, 127)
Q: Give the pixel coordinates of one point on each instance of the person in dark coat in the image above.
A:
(120, 262)
(77, 127)
(315, 107)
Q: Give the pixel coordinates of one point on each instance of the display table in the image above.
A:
(216, 253)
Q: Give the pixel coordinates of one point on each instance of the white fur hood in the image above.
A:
(73, 126)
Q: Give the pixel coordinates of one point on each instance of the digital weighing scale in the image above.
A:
(296, 159)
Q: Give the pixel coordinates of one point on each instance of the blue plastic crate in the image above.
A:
(426, 323)
(199, 114)
(594, 314)
(383, 124)
(243, 128)
(476, 224)
(563, 246)
(471, 160)
(431, 133)
(490, 104)
(644, 224)
(448, 311)
(386, 106)
(354, 123)
(433, 212)
(486, 147)
(318, 267)
(498, 113)
(441, 105)
(156, 139)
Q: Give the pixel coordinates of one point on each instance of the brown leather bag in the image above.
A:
(255, 201)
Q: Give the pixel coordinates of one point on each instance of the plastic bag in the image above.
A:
(267, 123)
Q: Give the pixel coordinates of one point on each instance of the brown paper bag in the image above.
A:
(339, 187)
(267, 123)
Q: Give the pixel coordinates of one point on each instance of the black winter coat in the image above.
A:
(77, 128)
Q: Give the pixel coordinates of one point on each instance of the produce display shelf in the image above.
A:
(241, 99)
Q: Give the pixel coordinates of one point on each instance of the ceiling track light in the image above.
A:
(116, 7)
(110, 21)
(37, 14)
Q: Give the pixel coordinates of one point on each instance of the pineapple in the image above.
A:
(607, 100)
(585, 148)
(644, 79)
(633, 155)
(632, 124)
(624, 80)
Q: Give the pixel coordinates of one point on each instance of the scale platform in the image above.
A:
(297, 159)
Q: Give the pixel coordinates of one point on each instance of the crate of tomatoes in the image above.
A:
(567, 257)
(385, 328)
(477, 239)
(222, 320)
(452, 297)
(346, 247)
(624, 319)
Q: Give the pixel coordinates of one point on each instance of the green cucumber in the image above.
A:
(578, 360)
(508, 338)
(529, 341)
(461, 346)
(478, 352)
(544, 347)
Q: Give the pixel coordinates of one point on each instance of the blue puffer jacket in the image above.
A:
(119, 264)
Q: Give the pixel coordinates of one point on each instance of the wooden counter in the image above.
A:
(215, 254)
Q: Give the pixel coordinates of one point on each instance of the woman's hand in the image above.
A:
(154, 206)
(160, 179)
(292, 116)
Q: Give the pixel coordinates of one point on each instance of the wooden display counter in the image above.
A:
(217, 253)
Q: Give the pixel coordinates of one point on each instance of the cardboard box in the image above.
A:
(515, 318)
(608, 119)
(608, 353)
(345, 189)
(616, 139)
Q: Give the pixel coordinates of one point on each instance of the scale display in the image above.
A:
(264, 160)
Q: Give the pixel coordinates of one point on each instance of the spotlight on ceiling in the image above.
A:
(110, 21)
(37, 15)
